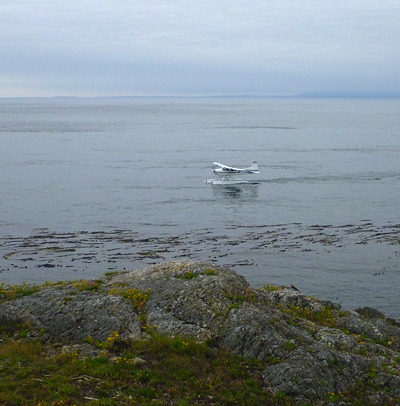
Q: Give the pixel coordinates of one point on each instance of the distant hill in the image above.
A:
(350, 95)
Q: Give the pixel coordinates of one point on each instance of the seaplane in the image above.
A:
(228, 174)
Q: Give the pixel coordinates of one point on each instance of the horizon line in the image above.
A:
(308, 95)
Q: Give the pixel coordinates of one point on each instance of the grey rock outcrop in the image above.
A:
(311, 348)
(73, 316)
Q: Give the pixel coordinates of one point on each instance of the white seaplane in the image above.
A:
(229, 174)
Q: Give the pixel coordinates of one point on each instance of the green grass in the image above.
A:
(210, 272)
(176, 371)
(136, 297)
(11, 292)
(84, 285)
(271, 288)
(187, 275)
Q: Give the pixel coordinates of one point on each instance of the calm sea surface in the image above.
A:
(92, 185)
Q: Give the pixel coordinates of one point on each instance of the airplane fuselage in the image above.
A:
(225, 170)
(231, 171)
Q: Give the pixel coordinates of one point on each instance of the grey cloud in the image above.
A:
(216, 46)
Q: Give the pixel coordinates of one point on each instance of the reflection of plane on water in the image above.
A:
(229, 174)
(243, 192)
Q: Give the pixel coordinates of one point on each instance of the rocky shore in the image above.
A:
(312, 351)
(342, 262)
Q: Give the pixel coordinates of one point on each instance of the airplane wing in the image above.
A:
(222, 166)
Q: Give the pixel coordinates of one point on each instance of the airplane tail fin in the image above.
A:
(254, 166)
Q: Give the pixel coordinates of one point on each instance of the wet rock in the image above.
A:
(45, 266)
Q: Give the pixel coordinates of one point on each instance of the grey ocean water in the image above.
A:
(90, 185)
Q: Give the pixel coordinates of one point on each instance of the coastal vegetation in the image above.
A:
(190, 334)
(158, 371)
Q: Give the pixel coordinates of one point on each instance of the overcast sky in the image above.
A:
(150, 47)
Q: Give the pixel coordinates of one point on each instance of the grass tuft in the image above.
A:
(136, 297)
